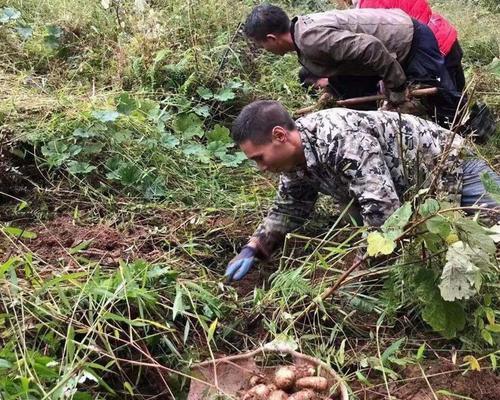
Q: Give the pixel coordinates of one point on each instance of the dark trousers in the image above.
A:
(453, 63)
(425, 65)
(349, 86)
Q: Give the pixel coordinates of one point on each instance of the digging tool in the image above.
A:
(361, 100)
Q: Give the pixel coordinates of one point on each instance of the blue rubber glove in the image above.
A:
(239, 266)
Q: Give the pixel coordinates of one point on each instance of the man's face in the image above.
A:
(273, 44)
(277, 155)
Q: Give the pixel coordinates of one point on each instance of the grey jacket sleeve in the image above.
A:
(356, 49)
(292, 206)
(362, 167)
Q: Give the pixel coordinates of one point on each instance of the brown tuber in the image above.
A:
(317, 383)
(304, 370)
(306, 394)
(255, 380)
(284, 378)
(278, 395)
(259, 392)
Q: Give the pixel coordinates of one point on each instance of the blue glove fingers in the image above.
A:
(244, 268)
(232, 268)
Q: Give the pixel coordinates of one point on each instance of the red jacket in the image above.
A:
(445, 33)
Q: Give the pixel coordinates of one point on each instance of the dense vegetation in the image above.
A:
(123, 198)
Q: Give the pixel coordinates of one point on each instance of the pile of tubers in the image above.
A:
(289, 383)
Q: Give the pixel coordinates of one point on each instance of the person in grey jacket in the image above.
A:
(344, 45)
(369, 157)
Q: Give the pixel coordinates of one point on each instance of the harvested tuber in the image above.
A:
(259, 392)
(306, 394)
(278, 395)
(284, 378)
(304, 370)
(255, 380)
(317, 383)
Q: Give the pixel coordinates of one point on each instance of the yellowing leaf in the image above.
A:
(451, 238)
(211, 330)
(378, 244)
(473, 363)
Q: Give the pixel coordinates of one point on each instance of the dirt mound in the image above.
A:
(447, 381)
(64, 240)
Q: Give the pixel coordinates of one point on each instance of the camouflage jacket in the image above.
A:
(355, 155)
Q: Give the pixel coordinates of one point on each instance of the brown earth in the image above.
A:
(442, 375)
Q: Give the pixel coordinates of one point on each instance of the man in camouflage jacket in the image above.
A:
(369, 157)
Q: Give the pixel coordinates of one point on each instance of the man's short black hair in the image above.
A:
(257, 120)
(264, 20)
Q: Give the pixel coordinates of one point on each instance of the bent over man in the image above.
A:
(369, 157)
(375, 44)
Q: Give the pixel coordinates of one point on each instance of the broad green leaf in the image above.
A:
(53, 36)
(459, 275)
(189, 125)
(169, 141)
(19, 233)
(433, 242)
(8, 14)
(204, 93)
(125, 104)
(445, 317)
(495, 328)
(378, 244)
(487, 336)
(491, 186)
(24, 31)
(202, 111)
(156, 189)
(4, 364)
(490, 315)
(80, 167)
(493, 360)
(475, 236)
(84, 133)
(394, 225)
(197, 150)
(219, 134)
(225, 94)
(57, 152)
(438, 225)
(106, 115)
(428, 207)
(232, 160)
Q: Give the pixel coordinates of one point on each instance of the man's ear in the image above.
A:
(279, 134)
(271, 37)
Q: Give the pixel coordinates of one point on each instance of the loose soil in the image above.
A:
(442, 375)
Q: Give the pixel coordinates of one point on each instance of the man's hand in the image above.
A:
(408, 107)
(239, 266)
(396, 98)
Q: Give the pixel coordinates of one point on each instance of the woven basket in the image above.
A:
(228, 377)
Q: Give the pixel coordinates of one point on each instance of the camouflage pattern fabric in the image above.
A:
(373, 157)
